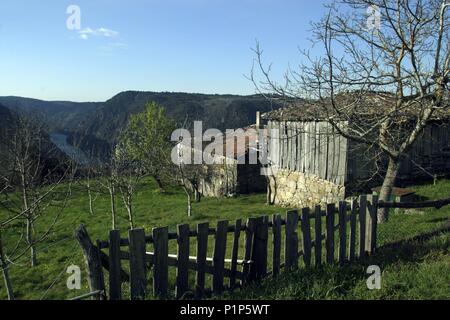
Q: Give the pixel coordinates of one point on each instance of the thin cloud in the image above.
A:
(86, 33)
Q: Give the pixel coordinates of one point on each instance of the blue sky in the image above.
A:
(152, 45)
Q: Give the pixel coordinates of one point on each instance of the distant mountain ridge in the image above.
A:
(94, 126)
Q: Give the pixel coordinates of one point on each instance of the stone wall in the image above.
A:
(219, 180)
(298, 190)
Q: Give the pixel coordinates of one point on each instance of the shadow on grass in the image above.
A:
(348, 282)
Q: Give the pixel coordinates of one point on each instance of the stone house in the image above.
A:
(232, 172)
(311, 164)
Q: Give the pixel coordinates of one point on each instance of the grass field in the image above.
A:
(413, 270)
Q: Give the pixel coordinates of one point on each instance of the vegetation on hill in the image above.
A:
(416, 269)
(96, 126)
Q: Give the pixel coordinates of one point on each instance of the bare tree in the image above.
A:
(381, 78)
(36, 183)
(130, 173)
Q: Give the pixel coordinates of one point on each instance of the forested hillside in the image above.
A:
(93, 126)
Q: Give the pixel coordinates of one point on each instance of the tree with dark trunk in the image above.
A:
(382, 76)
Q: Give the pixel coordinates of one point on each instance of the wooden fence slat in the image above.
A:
(258, 269)
(306, 235)
(182, 285)
(318, 236)
(160, 267)
(249, 235)
(235, 252)
(291, 245)
(138, 279)
(202, 250)
(372, 209)
(342, 232)
(352, 238)
(330, 233)
(94, 265)
(219, 256)
(115, 269)
(276, 239)
(362, 224)
(264, 245)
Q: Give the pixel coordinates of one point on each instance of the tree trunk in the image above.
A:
(197, 195)
(4, 266)
(130, 213)
(159, 182)
(189, 201)
(91, 205)
(386, 188)
(29, 238)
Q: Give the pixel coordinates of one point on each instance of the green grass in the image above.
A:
(411, 269)
(415, 270)
(152, 209)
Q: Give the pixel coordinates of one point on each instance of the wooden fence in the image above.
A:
(348, 232)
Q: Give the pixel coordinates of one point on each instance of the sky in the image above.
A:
(201, 46)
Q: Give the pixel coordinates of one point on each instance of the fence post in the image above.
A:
(291, 245)
(115, 269)
(182, 260)
(318, 236)
(372, 208)
(160, 265)
(94, 266)
(306, 231)
(202, 249)
(352, 242)
(276, 239)
(330, 232)
(138, 279)
(219, 256)
(342, 232)
(249, 235)
(362, 224)
(235, 253)
(258, 269)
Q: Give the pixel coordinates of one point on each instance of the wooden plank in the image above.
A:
(182, 284)
(276, 241)
(318, 236)
(219, 256)
(342, 232)
(235, 252)
(352, 237)
(330, 232)
(92, 258)
(291, 244)
(138, 279)
(202, 250)
(160, 267)
(248, 244)
(306, 236)
(258, 268)
(372, 208)
(362, 224)
(115, 269)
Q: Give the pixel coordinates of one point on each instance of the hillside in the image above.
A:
(52, 157)
(97, 125)
(59, 115)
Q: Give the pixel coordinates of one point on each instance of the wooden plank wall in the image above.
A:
(308, 147)
(315, 148)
